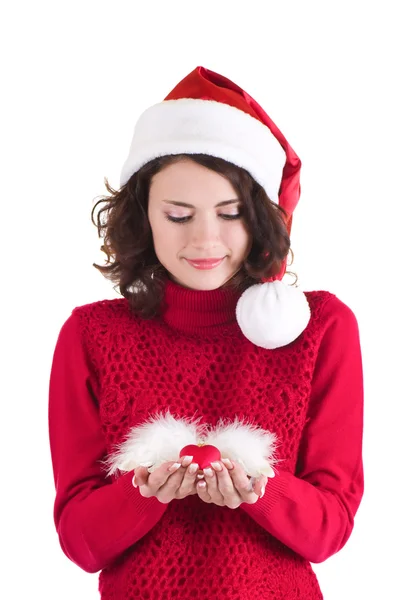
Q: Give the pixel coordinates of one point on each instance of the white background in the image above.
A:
(335, 78)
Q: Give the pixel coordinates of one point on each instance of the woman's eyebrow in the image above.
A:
(223, 203)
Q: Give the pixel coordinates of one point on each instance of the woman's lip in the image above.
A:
(207, 263)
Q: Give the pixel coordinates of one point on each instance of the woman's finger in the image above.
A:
(242, 484)
(158, 478)
(187, 485)
(259, 485)
(141, 475)
(171, 488)
(225, 486)
(202, 491)
(212, 486)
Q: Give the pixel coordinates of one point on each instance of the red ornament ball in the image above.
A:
(202, 455)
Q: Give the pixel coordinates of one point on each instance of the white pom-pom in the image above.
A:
(272, 314)
(252, 447)
(158, 440)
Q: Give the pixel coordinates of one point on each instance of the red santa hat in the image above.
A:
(206, 113)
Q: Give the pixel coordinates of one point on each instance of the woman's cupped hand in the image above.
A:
(224, 483)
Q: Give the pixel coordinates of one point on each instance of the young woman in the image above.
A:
(197, 239)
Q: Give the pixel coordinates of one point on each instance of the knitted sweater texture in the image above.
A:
(111, 370)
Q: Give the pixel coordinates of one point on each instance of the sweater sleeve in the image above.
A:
(312, 511)
(96, 518)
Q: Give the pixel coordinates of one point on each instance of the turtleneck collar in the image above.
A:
(197, 311)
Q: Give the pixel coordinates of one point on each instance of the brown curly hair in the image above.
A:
(128, 243)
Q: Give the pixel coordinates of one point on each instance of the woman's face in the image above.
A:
(195, 215)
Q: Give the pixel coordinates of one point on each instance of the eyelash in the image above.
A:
(183, 220)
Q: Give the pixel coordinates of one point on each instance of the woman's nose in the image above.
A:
(205, 232)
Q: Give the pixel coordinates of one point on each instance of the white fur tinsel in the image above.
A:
(252, 447)
(162, 438)
(158, 440)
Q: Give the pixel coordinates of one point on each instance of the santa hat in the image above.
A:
(207, 113)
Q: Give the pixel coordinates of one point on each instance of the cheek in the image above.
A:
(240, 239)
(168, 238)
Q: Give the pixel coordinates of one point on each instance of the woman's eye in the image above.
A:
(228, 217)
(233, 216)
(177, 219)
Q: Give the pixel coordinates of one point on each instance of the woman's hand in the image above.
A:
(171, 481)
(227, 484)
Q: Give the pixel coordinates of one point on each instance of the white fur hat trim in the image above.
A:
(272, 314)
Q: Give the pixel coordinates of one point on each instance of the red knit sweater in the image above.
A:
(111, 370)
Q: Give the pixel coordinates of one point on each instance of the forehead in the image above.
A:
(188, 182)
